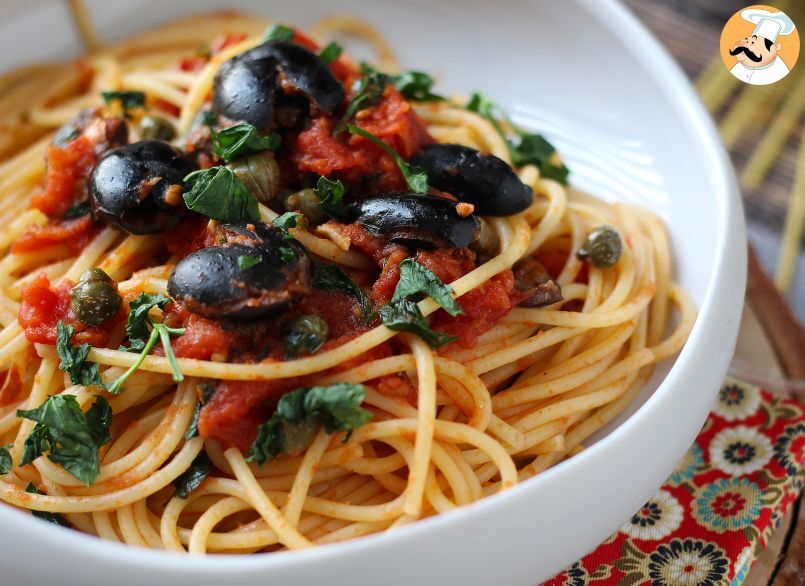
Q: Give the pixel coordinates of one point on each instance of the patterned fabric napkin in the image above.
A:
(713, 517)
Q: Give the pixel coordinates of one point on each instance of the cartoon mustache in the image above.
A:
(747, 52)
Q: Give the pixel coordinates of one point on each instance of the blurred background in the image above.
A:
(762, 127)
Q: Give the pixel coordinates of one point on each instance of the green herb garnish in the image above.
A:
(71, 436)
(6, 463)
(331, 52)
(207, 392)
(192, 478)
(414, 85)
(529, 149)
(368, 90)
(305, 333)
(330, 277)
(287, 254)
(209, 118)
(35, 444)
(285, 222)
(74, 358)
(331, 197)
(337, 407)
(417, 280)
(242, 139)
(78, 210)
(55, 518)
(141, 339)
(128, 100)
(402, 314)
(219, 194)
(415, 177)
(245, 262)
(405, 316)
(278, 32)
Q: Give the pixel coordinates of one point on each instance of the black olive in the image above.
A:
(244, 90)
(417, 220)
(531, 278)
(249, 234)
(276, 84)
(213, 282)
(485, 181)
(106, 133)
(603, 247)
(138, 187)
(95, 299)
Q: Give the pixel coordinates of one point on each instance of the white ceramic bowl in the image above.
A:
(630, 128)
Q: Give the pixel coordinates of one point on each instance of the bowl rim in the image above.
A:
(720, 298)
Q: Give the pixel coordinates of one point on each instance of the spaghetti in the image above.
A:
(503, 391)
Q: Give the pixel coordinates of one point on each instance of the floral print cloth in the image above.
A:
(716, 512)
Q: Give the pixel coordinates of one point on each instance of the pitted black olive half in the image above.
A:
(485, 181)
(531, 279)
(212, 282)
(138, 187)
(275, 85)
(423, 221)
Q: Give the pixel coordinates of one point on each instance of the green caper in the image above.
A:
(307, 202)
(603, 247)
(156, 128)
(95, 298)
(260, 173)
(306, 332)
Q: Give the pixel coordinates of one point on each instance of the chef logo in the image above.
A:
(760, 45)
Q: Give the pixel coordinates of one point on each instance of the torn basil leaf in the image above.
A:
(337, 407)
(219, 194)
(404, 316)
(74, 358)
(417, 280)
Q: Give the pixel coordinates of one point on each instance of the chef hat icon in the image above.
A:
(768, 24)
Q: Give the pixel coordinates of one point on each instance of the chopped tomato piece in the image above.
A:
(238, 407)
(43, 307)
(202, 338)
(354, 158)
(65, 167)
(189, 236)
(483, 307)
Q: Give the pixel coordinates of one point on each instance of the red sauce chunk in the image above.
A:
(202, 338)
(65, 167)
(76, 234)
(189, 236)
(67, 171)
(44, 306)
(355, 159)
(238, 407)
(483, 307)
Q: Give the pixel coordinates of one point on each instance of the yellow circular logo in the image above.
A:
(760, 44)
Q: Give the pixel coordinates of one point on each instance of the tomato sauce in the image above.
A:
(44, 306)
(483, 307)
(356, 160)
(189, 236)
(238, 407)
(76, 234)
(203, 338)
(65, 167)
